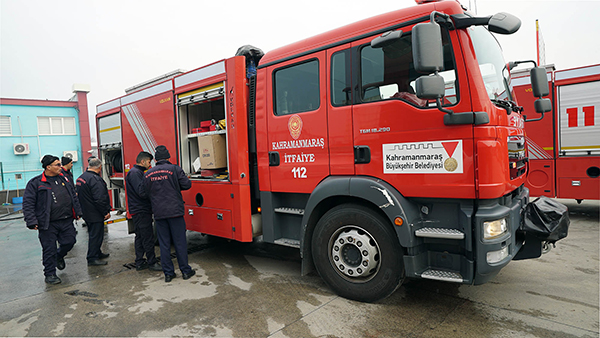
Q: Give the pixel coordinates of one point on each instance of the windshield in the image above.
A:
(491, 63)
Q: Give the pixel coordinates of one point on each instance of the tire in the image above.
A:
(357, 253)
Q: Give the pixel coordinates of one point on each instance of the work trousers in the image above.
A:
(144, 239)
(172, 229)
(96, 236)
(62, 231)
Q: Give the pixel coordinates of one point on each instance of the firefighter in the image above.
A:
(67, 165)
(163, 184)
(93, 195)
(49, 206)
(141, 214)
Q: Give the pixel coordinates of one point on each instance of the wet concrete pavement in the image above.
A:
(255, 290)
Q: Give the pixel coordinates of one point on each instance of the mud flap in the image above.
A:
(544, 220)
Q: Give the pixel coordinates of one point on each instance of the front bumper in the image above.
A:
(511, 208)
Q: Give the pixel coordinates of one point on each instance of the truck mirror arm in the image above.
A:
(541, 106)
(438, 103)
(525, 119)
(500, 23)
(539, 86)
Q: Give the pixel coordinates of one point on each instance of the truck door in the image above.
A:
(339, 102)
(297, 124)
(401, 138)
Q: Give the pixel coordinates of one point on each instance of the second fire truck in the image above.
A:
(564, 147)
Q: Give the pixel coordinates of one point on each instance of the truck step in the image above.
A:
(292, 211)
(288, 242)
(440, 233)
(446, 276)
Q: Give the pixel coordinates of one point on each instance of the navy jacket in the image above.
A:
(163, 184)
(69, 175)
(93, 196)
(37, 201)
(136, 204)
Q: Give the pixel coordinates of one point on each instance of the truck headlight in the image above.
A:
(497, 256)
(493, 229)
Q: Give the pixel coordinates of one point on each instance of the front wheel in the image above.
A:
(357, 253)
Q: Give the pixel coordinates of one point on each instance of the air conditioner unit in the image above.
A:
(21, 148)
(72, 154)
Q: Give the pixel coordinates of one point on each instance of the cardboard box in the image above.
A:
(213, 151)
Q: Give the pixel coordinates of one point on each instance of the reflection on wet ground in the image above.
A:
(256, 290)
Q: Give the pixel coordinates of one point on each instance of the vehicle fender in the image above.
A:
(374, 191)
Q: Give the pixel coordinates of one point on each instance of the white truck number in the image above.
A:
(299, 172)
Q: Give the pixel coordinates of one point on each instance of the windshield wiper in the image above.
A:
(510, 106)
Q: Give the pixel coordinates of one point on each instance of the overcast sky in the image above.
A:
(47, 46)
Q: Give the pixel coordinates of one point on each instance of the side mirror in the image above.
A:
(386, 39)
(539, 82)
(504, 23)
(428, 55)
(542, 106)
(430, 87)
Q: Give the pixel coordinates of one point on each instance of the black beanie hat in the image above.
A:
(65, 160)
(48, 160)
(161, 153)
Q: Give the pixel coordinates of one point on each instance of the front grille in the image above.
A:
(517, 161)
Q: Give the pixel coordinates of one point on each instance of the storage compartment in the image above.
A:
(203, 133)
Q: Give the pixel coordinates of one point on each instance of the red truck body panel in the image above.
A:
(559, 167)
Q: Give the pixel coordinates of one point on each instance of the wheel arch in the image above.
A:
(378, 195)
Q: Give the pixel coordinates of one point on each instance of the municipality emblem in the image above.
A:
(450, 164)
(295, 126)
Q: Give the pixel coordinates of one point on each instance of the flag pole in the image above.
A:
(537, 40)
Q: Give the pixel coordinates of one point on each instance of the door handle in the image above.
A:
(273, 158)
(362, 154)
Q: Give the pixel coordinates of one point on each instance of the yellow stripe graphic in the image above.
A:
(580, 148)
(109, 129)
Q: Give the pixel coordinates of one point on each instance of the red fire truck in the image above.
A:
(383, 150)
(564, 148)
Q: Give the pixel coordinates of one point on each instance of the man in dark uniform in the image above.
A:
(163, 184)
(141, 214)
(67, 165)
(89, 159)
(49, 206)
(93, 195)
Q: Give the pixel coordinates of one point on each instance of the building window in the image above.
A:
(5, 128)
(297, 88)
(56, 126)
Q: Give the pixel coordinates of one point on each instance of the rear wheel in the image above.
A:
(357, 253)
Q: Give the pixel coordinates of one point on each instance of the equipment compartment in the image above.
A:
(201, 113)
